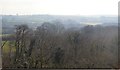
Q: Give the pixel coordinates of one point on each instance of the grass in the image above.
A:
(6, 47)
(2, 35)
(5, 35)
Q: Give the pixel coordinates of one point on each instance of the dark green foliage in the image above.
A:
(53, 46)
(58, 57)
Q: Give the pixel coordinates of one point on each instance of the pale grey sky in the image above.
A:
(59, 7)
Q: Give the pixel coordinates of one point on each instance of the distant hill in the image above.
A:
(9, 21)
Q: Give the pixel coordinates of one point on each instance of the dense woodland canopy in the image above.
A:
(51, 45)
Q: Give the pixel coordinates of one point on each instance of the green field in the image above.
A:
(9, 45)
(5, 34)
(2, 35)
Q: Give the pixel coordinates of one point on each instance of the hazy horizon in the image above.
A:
(58, 15)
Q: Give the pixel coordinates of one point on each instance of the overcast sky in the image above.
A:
(59, 7)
